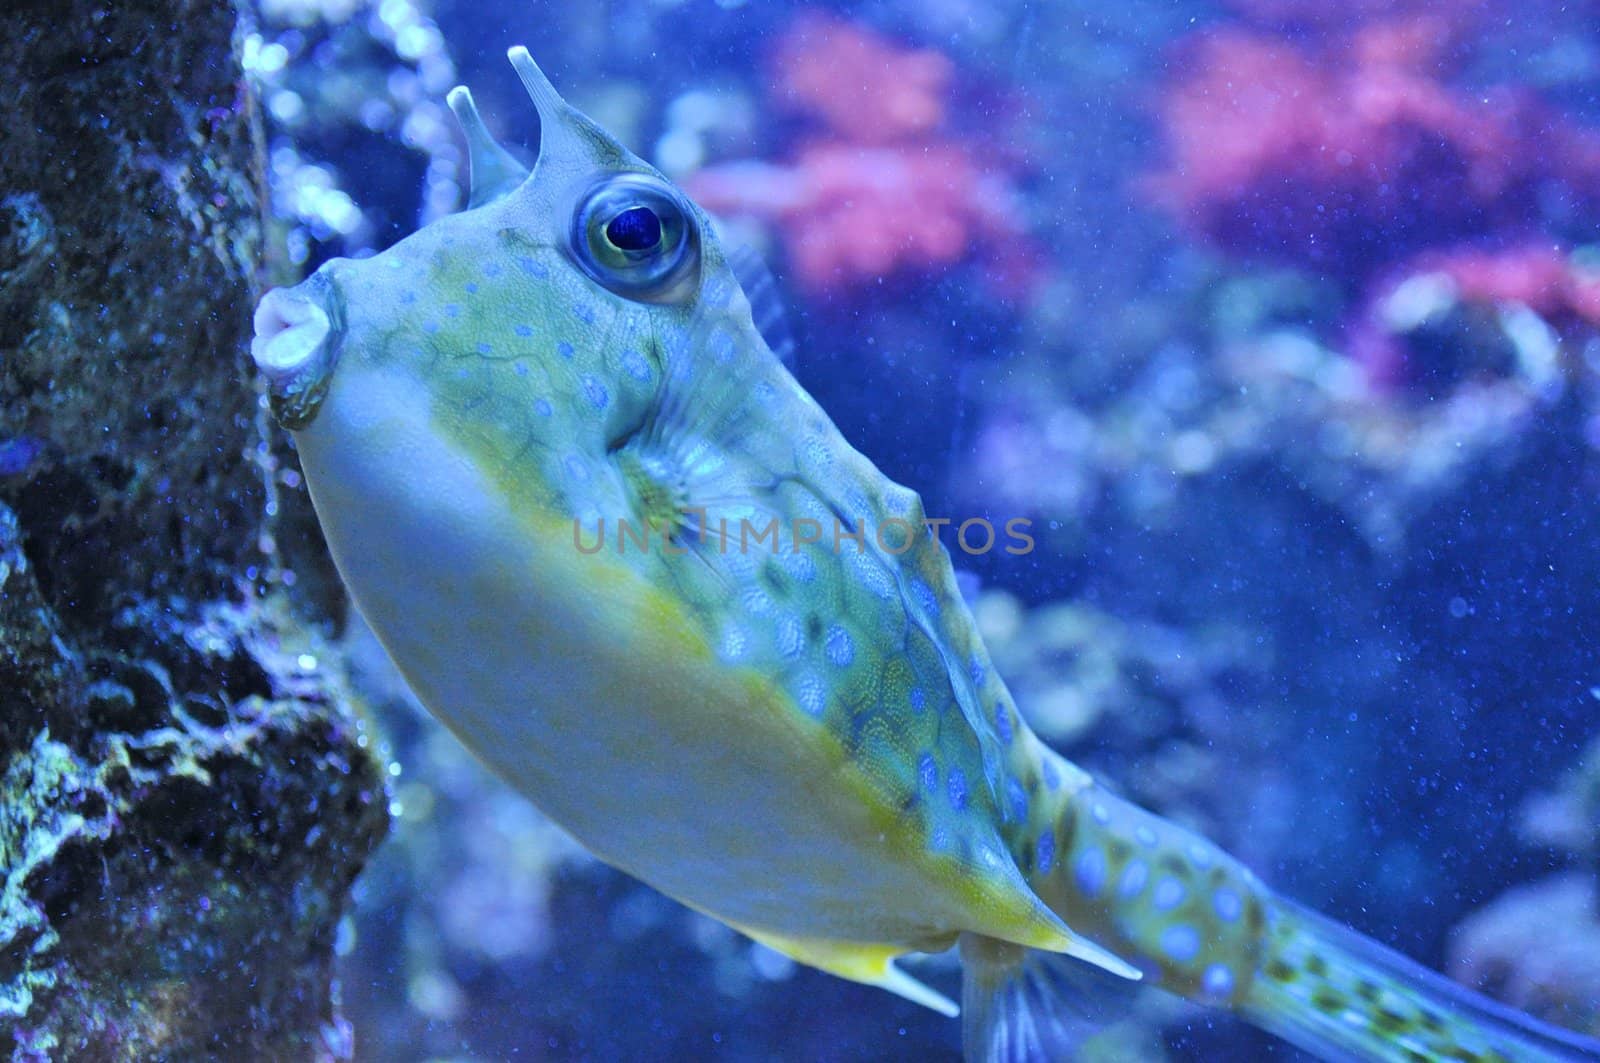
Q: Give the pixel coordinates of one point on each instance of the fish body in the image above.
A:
(610, 542)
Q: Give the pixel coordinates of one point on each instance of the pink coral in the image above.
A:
(863, 86)
(1355, 156)
(850, 211)
(1538, 276)
(880, 187)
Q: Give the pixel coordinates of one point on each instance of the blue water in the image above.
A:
(1281, 328)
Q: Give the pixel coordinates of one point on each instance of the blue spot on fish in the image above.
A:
(791, 639)
(532, 268)
(634, 365)
(817, 452)
(1052, 777)
(484, 348)
(523, 330)
(452, 309)
(928, 773)
(1217, 981)
(472, 287)
(595, 391)
(812, 695)
(1134, 877)
(1019, 799)
(1180, 943)
(1047, 851)
(1169, 894)
(542, 408)
(564, 349)
(584, 313)
(1002, 723)
(800, 567)
(840, 647)
(733, 644)
(919, 700)
(1089, 872)
(755, 601)
(1226, 903)
(957, 787)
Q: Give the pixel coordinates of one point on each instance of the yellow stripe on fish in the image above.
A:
(614, 546)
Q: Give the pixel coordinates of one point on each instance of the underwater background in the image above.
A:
(1281, 326)
(1279, 319)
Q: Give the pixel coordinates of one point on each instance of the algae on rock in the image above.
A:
(188, 792)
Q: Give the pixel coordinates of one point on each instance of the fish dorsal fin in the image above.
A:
(771, 317)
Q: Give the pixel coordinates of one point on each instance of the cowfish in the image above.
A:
(615, 547)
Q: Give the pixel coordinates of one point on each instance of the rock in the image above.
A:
(188, 791)
(1537, 947)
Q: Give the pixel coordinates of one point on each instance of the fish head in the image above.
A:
(533, 331)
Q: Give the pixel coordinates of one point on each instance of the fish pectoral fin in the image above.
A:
(1022, 1005)
(868, 964)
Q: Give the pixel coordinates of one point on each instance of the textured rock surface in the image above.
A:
(187, 791)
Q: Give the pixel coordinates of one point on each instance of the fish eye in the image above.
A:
(635, 229)
(634, 234)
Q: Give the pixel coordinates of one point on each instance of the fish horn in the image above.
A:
(494, 171)
(561, 128)
(545, 97)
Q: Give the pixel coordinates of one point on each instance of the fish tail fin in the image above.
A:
(1022, 1005)
(1339, 995)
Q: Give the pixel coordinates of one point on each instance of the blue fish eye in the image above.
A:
(634, 234)
(635, 229)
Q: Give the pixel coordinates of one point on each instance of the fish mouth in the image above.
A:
(295, 348)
